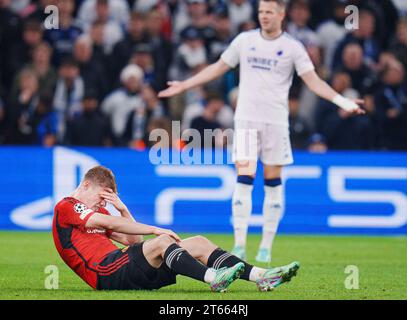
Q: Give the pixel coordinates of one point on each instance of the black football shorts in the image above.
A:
(129, 270)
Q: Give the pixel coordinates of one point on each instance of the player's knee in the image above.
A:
(201, 241)
(164, 241)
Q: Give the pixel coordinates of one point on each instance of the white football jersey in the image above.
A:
(266, 73)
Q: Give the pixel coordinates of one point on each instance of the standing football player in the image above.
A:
(268, 58)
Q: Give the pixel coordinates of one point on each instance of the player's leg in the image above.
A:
(242, 206)
(164, 249)
(214, 257)
(245, 154)
(275, 154)
(272, 210)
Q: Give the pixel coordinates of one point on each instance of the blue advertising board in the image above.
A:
(331, 193)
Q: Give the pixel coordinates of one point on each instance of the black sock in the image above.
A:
(220, 258)
(181, 262)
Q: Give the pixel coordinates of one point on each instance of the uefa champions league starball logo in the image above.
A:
(79, 208)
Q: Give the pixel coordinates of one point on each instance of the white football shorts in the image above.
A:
(268, 142)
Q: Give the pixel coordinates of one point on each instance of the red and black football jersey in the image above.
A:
(81, 248)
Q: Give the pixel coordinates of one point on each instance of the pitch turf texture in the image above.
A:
(382, 264)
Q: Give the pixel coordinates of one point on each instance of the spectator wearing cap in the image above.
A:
(90, 127)
(239, 11)
(199, 18)
(365, 37)
(143, 57)
(92, 72)
(331, 32)
(189, 59)
(188, 11)
(63, 38)
(223, 35)
(136, 34)
(136, 133)
(120, 103)
(299, 15)
(191, 54)
(119, 11)
(68, 95)
(391, 106)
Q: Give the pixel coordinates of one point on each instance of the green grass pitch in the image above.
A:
(382, 264)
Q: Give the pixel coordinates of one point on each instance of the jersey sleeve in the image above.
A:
(302, 61)
(231, 55)
(75, 214)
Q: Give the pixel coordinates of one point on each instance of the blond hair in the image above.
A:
(102, 176)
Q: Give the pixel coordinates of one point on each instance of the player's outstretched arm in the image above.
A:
(323, 90)
(208, 74)
(126, 226)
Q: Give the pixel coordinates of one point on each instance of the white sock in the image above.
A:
(241, 210)
(256, 274)
(210, 275)
(272, 211)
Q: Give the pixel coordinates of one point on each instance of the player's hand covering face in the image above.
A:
(108, 195)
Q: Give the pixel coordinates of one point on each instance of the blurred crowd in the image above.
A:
(94, 80)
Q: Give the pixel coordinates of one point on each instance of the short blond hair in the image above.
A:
(102, 176)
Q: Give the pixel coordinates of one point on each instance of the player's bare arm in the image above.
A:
(323, 90)
(114, 199)
(124, 225)
(208, 74)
